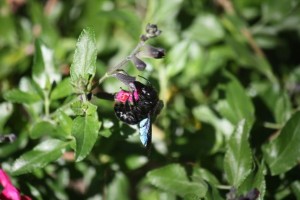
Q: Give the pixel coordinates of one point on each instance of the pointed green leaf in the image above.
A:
(238, 158)
(173, 178)
(83, 67)
(42, 128)
(64, 123)
(238, 104)
(255, 180)
(85, 130)
(47, 151)
(43, 71)
(63, 89)
(18, 96)
(283, 153)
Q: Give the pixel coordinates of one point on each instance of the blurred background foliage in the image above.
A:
(230, 81)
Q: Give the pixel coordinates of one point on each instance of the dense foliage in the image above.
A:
(230, 83)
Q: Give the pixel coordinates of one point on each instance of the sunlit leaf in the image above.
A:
(173, 178)
(18, 96)
(44, 153)
(42, 128)
(238, 157)
(63, 89)
(43, 71)
(85, 130)
(238, 104)
(283, 153)
(256, 179)
(83, 67)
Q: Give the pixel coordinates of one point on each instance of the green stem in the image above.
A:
(123, 62)
(46, 103)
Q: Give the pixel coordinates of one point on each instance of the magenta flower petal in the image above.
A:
(10, 192)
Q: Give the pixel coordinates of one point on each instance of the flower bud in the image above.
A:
(140, 65)
(152, 52)
(124, 77)
(152, 31)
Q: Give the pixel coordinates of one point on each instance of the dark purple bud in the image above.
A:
(152, 31)
(124, 77)
(152, 52)
(140, 65)
(8, 138)
(144, 38)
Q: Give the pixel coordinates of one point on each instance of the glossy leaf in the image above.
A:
(173, 178)
(256, 179)
(43, 71)
(64, 123)
(83, 67)
(44, 153)
(18, 96)
(63, 89)
(238, 104)
(283, 153)
(238, 158)
(42, 128)
(85, 130)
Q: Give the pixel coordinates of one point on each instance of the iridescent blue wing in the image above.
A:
(145, 131)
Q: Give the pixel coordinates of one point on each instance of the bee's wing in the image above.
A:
(145, 127)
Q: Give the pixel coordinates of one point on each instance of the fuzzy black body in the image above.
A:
(132, 112)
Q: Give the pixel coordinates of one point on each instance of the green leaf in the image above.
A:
(39, 157)
(83, 67)
(6, 110)
(283, 153)
(63, 89)
(283, 108)
(64, 123)
(85, 130)
(201, 173)
(119, 188)
(238, 158)
(296, 189)
(18, 96)
(211, 30)
(177, 58)
(173, 178)
(42, 128)
(255, 180)
(238, 104)
(135, 161)
(43, 71)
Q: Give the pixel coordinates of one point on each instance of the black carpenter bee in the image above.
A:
(139, 106)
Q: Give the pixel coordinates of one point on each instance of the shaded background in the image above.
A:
(255, 41)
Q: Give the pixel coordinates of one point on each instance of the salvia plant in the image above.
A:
(201, 103)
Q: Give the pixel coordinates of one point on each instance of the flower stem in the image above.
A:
(114, 69)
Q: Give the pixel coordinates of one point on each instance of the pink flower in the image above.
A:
(123, 96)
(10, 192)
